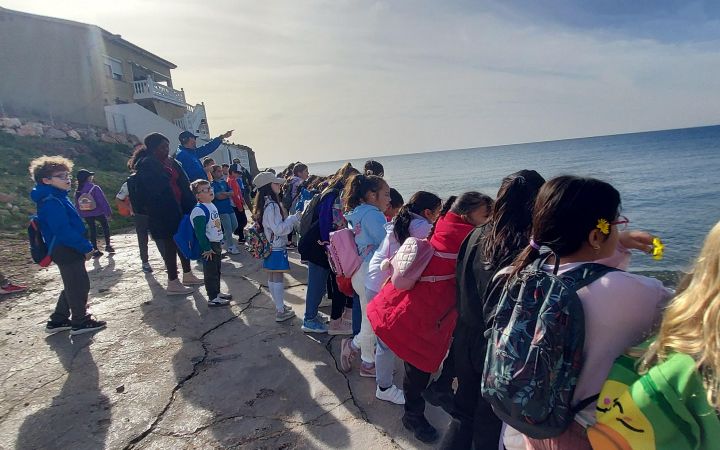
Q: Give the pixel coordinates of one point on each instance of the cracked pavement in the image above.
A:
(169, 372)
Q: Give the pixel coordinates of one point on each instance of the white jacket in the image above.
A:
(275, 228)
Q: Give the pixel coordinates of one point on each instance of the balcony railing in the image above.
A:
(148, 88)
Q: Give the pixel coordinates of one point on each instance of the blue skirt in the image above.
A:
(277, 261)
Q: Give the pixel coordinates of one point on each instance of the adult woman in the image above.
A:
(161, 189)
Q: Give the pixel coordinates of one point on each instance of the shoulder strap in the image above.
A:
(91, 189)
(205, 210)
(585, 274)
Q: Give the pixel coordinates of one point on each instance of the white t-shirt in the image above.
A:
(213, 229)
(124, 192)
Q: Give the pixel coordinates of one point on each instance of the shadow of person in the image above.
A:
(79, 415)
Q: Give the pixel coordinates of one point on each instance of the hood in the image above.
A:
(40, 191)
(358, 213)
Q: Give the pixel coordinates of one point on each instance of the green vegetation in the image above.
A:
(108, 161)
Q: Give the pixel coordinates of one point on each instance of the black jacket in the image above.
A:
(152, 194)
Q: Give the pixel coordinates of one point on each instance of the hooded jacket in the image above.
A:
(368, 224)
(190, 159)
(59, 220)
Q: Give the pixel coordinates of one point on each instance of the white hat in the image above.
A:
(265, 178)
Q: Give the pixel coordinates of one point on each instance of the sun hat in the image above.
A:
(265, 178)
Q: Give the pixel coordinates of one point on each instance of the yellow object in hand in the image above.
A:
(658, 248)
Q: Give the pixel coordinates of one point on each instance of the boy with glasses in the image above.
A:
(64, 232)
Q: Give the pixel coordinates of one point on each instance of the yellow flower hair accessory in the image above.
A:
(658, 249)
(604, 226)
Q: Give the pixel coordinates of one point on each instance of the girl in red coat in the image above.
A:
(417, 324)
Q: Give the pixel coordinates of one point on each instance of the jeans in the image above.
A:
(141, 229)
(211, 271)
(229, 223)
(356, 315)
(76, 286)
(365, 340)
(241, 222)
(169, 251)
(93, 229)
(316, 288)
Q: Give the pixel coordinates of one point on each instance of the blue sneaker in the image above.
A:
(314, 326)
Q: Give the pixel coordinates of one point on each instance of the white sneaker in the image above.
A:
(174, 287)
(284, 315)
(234, 250)
(217, 301)
(393, 394)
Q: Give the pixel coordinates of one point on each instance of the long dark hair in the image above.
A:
(463, 205)
(358, 187)
(340, 178)
(567, 209)
(259, 204)
(509, 231)
(419, 202)
(151, 141)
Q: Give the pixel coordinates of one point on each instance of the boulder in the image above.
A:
(10, 122)
(7, 198)
(30, 129)
(120, 138)
(54, 133)
(134, 140)
(8, 130)
(74, 134)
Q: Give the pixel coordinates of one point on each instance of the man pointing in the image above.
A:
(189, 154)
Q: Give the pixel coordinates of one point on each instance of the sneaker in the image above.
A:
(287, 308)
(347, 354)
(88, 326)
(97, 254)
(241, 242)
(440, 398)
(146, 267)
(325, 302)
(109, 249)
(234, 250)
(282, 316)
(367, 370)
(174, 287)
(393, 394)
(421, 428)
(314, 326)
(56, 327)
(339, 327)
(322, 317)
(189, 279)
(225, 296)
(218, 301)
(11, 288)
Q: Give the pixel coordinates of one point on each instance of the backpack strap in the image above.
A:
(205, 210)
(446, 255)
(585, 274)
(435, 278)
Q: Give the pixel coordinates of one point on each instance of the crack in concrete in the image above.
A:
(195, 371)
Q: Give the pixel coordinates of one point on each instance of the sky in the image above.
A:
(326, 80)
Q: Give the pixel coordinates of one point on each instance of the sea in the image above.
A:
(669, 181)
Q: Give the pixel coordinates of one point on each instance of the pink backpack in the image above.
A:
(342, 253)
(410, 262)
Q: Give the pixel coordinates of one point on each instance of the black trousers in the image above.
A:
(414, 383)
(339, 300)
(242, 222)
(72, 303)
(141, 229)
(211, 271)
(478, 425)
(169, 252)
(93, 229)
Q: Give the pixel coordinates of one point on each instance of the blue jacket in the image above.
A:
(223, 206)
(59, 219)
(368, 224)
(189, 159)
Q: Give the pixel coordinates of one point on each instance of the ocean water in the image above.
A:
(669, 181)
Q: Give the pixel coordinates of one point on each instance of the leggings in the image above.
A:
(169, 252)
(93, 229)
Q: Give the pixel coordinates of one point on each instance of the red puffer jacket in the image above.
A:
(417, 324)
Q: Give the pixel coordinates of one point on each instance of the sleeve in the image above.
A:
(123, 192)
(199, 222)
(325, 219)
(56, 217)
(237, 194)
(101, 201)
(376, 228)
(208, 148)
(272, 220)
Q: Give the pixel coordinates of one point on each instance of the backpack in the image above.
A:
(86, 202)
(257, 243)
(309, 215)
(410, 261)
(185, 239)
(288, 200)
(664, 409)
(535, 349)
(342, 253)
(40, 251)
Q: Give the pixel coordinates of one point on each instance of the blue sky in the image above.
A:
(324, 80)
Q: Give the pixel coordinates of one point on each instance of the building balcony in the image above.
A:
(149, 89)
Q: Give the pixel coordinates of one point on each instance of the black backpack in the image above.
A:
(40, 251)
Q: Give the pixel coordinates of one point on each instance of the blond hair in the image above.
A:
(691, 323)
(45, 166)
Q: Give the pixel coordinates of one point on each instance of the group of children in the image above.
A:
(448, 325)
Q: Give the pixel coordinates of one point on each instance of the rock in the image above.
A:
(120, 389)
(120, 138)
(30, 129)
(10, 122)
(6, 198)
(134, 140)
(74, 134)
(108, 137)
(54, 133)
(8, 130)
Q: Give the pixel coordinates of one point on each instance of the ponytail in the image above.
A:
(419, 202)
(444, 210)
(358, 187)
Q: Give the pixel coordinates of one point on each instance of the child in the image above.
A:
(91, 210)
(236, 184)
(64, 232)
(207, 164)
(417, 324)
(413, 219)
(276, 225)
(223, 193)
(396, 202)
(208, 231)
(365, 198)
(373, 167)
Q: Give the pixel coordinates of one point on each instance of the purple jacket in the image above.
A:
(102, 206)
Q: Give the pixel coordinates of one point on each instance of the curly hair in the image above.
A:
(45, 166)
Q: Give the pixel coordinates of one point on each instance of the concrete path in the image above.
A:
(170, 373)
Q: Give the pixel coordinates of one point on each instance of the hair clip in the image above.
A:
(603, 225)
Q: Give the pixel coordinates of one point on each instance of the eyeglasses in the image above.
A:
(63, 176)
(208, 190)
(621, 223)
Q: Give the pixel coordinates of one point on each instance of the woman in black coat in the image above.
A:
(160, 189)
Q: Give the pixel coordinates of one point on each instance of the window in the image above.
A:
(113, 68)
